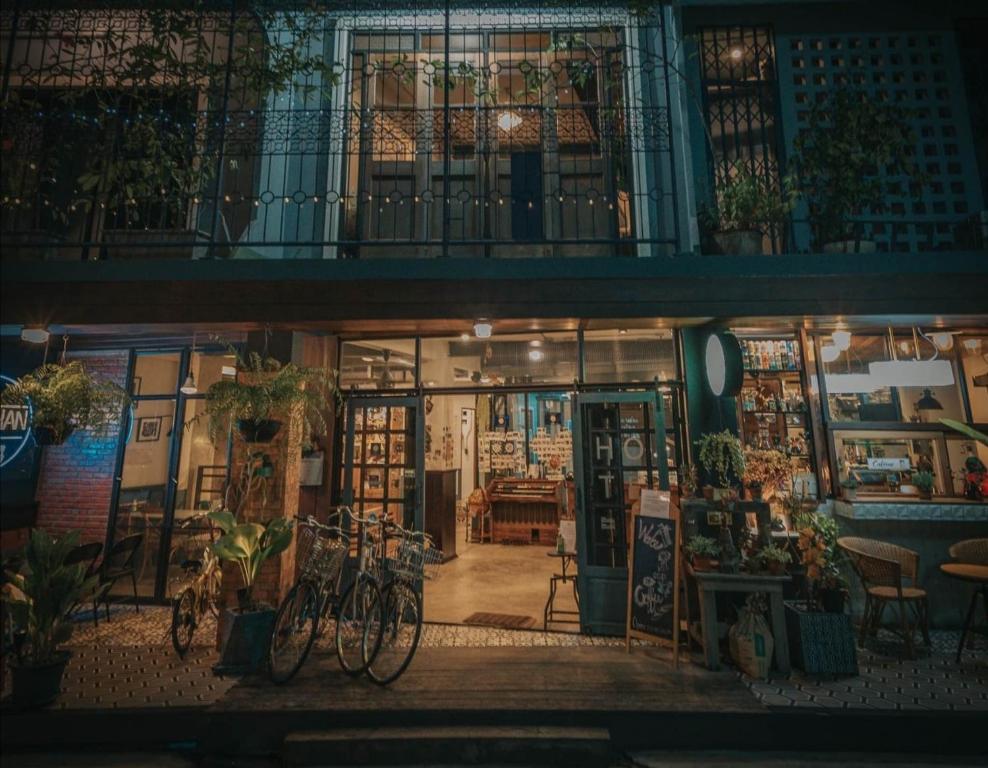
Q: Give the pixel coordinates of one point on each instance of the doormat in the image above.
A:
(502, 620)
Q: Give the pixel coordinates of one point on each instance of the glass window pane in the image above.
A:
(208, 368)
(967, 459)
(156, 374)
(378, 364)
(973, 351)
(513, 359)
(628, 357)
(852, 393)
(885, 463)
(144, 485)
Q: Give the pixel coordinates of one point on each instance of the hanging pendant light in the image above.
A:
(189, 386)
(912, 373)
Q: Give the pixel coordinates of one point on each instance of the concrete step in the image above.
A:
(439, 745)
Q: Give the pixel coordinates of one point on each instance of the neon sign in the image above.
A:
(15, 427)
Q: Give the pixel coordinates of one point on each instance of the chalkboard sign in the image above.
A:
(653, 581)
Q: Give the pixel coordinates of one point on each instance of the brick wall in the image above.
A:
(75, 485)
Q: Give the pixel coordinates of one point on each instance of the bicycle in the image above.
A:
(390, 645)
(321, 552)
(361, 605)
(202, 593)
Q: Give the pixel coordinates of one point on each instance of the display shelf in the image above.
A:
(772, 413)
(773, 370)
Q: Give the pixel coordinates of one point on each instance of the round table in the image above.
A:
(976, 574)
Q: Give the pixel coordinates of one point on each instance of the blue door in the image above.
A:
(619, 450)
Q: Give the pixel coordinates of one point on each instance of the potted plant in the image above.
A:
(765, 470)
(819, 553)
(686, 478)
(773, 559)
(722, 459)
(64, 397)
(244, 645)
(746, 203)
(702, 551)
(924, 484)
(850, 143)
(40, 602)
(265, 389)
(849, 487)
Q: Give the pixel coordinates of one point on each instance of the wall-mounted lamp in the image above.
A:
(189, 386)
(35, 335)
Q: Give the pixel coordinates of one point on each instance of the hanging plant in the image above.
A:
(722, 457)
(265, 389)
(65, 397)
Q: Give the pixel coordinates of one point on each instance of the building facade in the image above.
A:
(503, 223)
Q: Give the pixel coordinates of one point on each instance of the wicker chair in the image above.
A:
(970, 551)
(882, 567)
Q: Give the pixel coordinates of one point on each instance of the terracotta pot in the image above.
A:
(258, 431)
(775, 568)
(38, 686)
(925, 495)
(704, 563)
(708, 492)
(755, 492)
(743, 243)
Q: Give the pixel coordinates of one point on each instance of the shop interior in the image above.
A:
(499, 461)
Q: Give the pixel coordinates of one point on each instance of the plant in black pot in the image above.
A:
(244, 644)
(40, 600)
(64, 397)
(747, 204)
(850, 145)
(819, 553)
(264, 391)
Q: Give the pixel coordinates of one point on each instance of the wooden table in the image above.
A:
(978, 575)
(709, 583)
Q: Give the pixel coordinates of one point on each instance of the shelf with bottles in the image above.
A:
(763, 398)
(771, 355)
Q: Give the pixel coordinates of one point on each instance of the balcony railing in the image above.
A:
(336, 130)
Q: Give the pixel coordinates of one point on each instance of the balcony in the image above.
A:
(344, 130)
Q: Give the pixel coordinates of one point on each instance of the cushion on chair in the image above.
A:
(890, 593)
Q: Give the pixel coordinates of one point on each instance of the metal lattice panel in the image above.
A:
(919, 71)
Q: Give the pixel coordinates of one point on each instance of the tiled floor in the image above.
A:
(129, 662)
(931, 681)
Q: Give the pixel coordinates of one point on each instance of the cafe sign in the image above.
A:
(888, 464)
(15, 427)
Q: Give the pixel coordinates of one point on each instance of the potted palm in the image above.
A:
(702, 551)
(40, 602)
(64, 397)
(265, 389)
(849, 144)
(746, 204)
(722, 459)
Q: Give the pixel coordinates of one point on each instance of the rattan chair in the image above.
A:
(882, 568)
(970, 551)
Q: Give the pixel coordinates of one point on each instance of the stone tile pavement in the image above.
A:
(129, 662)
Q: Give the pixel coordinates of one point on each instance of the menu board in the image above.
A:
(653, 581)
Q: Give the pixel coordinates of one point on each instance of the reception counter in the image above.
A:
(927, 527)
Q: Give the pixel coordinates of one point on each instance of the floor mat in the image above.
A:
(503, 620)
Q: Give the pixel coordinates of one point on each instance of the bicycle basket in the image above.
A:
(320, 553)
(415, 559)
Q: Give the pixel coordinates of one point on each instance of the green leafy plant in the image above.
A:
(964, 429)
(687, 479)
(818, 549)
(65, 397)
(702, 546)
(265, 388)
(923, 481)
(722, 457)
(748, 202)
(849, 482)
(772, 553)
(249, 545)
(42, 598)
(850, 143)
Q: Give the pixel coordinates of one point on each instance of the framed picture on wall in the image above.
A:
(148, 429)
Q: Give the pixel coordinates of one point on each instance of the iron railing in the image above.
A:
(337, 129)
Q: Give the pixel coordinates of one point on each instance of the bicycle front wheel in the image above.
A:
(360, 608)
(398, 634)
(184, 620)
(295, 628)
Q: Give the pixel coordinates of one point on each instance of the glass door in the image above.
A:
(620, 451)
(384, 458)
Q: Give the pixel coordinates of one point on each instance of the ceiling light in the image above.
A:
(189, 387)
(367, 359)
(841, 340)
(972, 345)
(912, 373)
(849, 383)
(905, 347)
(623, 331)
(928, 402)
(36, 335)
(482, 329)
(464, 337)
(736, 54)
(508, 120)
(535, 343)
(535, 355)
(829, 352)
(943, 339)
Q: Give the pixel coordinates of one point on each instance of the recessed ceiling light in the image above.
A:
(367, 359)
(535, 355)
(483, 329)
